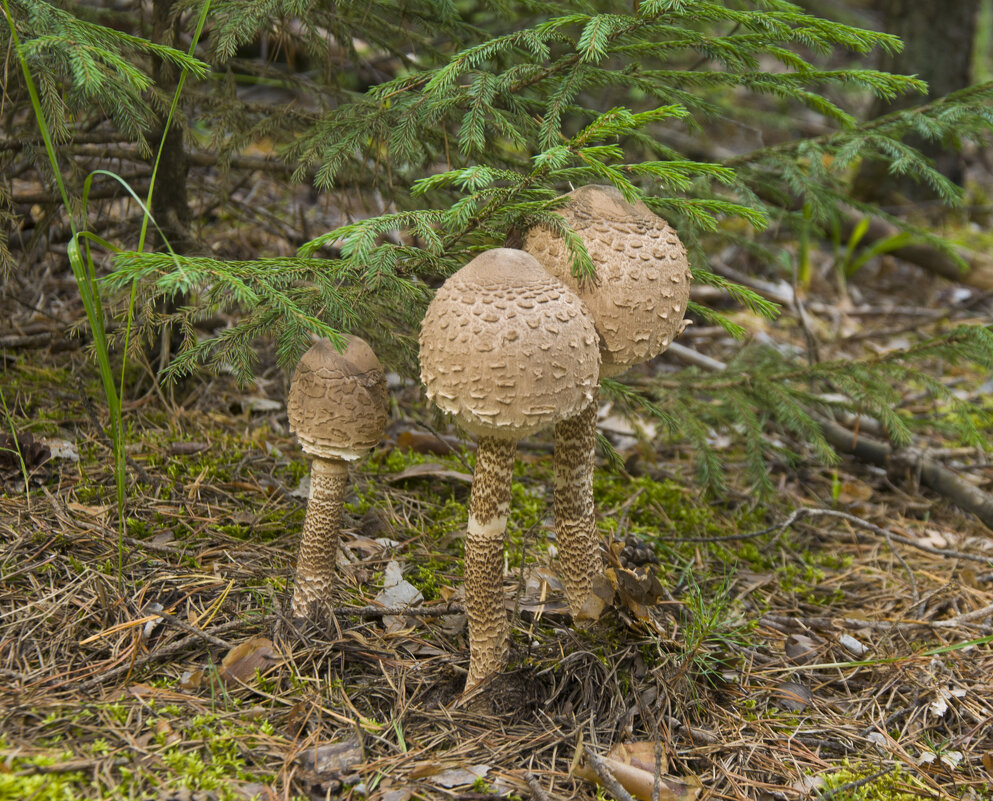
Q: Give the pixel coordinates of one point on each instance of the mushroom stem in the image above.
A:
(575, 513)
(489, 505)
(319, 541)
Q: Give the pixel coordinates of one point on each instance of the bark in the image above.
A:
(938, 40)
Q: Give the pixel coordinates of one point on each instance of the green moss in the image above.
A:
(206, 752)
(897, 785)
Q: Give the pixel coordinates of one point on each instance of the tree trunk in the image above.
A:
(938, 40)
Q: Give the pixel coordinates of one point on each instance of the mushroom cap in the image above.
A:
(643, 277)
(507, 348)
(338, 401)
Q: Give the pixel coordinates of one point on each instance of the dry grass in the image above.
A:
(111, 644)
(101, 695)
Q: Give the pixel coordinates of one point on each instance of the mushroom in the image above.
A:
(637, 302)
(508, 350)
(337, 407)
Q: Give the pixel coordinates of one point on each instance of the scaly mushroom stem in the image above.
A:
(489, 505)
(575, 513)
(319, 541)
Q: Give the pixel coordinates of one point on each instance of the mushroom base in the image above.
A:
(316, 562)
(489, 505)
(575, 512)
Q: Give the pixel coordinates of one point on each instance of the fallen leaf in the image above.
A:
(430, 470)
(458, 777)
(428, 767)
(853, 491)
(792, 696)
(329, 760)
(397, 592)
(191, 679)
(853, 646)
(61, 448)
(240, 664)
(801, 649)
(90, 511)
(640, 783)
(422, 442)
(641, 754)
(397, 795)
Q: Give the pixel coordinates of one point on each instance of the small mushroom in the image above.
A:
(638, 301)
(508, 350)
(337, 407)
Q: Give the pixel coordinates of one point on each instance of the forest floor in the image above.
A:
(841, 653)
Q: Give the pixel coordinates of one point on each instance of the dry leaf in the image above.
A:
(792, 696)
(403, 794)
(853, 646)
(242, 661)
(641, 754)
(429, 767)
(329, 760)
(397, 592)
(191, 679)
(640, 783)
(430, 470)
(801, 649)
(853, 491)
(458, 777)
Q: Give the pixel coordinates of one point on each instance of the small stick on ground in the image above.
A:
(537, 791)
(373, 612)
(606, 777)
(155, 656)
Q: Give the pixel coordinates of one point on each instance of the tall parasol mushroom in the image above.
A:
(638, 302)
(508, 350)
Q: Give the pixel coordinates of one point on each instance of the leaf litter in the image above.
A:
(773, 667)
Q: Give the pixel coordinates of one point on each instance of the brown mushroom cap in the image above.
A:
(338, 401)
(643, 275)
(507, 348)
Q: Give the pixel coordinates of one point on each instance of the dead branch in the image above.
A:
(911, 461)
(606, 777)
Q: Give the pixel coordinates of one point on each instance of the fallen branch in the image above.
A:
(915, 462)
(606, 777)
(537, 791)
(912, 461)
(374, 612)
(979, 272)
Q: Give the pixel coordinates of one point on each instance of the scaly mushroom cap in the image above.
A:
(643, 275)
(507, 348)
(338, 401)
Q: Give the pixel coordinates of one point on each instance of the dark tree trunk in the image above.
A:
(938, 40)
(170, 202)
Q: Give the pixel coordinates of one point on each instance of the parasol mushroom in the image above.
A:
(637, 302)
(508, 350)
(337, 406)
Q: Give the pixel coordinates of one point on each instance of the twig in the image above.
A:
(606, 777)
(806, 511)
(537, 791)
(847, 788)
(156, 655)
(74, 766)
(373, 612)
(171, 620)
